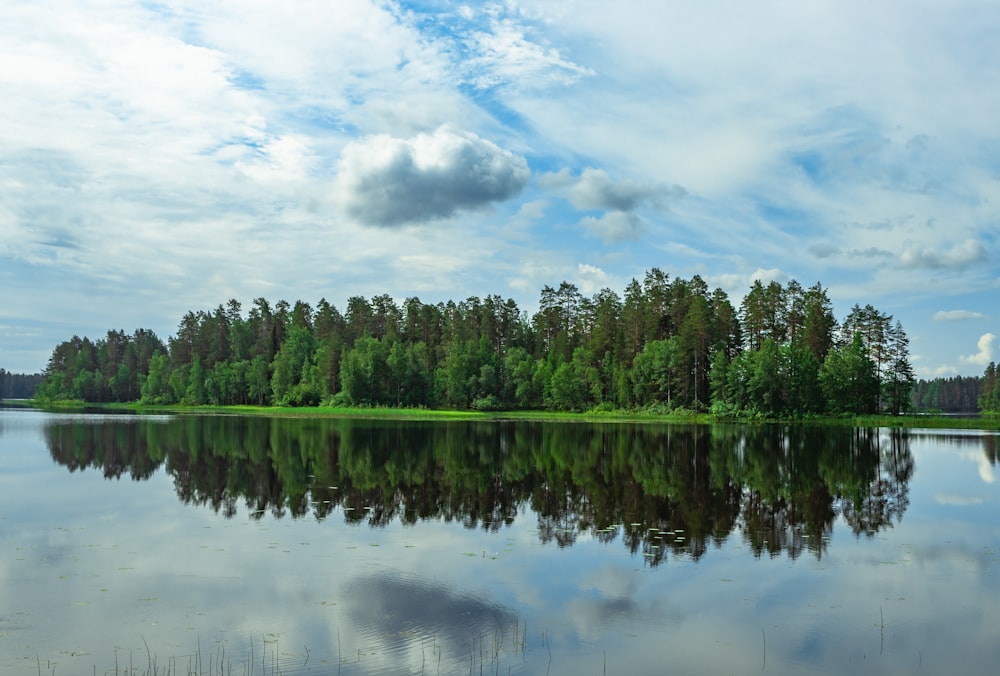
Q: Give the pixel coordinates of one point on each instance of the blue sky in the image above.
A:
(157, 158)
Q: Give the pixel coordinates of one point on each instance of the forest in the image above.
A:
(667, 344)
(956, 394)
(18, 385)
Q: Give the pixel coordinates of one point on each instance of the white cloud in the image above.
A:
(942, 371)
(765, 276)
(614, 226)
(870, 252)
(591, 279)
(284, 158)
(595, 189)
(959, 256)
(986, 344)
(823, 250)
(386, 181)
(177, 152)
(504, 55)
(957, 500)
(956, 315)
(533, 210)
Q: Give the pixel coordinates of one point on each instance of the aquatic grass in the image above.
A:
(198, 663)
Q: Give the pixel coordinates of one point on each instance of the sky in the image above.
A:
(163, 157)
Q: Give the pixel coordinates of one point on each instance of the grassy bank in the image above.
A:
(936, 421)
(359, 412)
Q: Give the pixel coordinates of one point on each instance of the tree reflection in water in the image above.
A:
(662, 489)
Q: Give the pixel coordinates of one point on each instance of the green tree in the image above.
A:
(259, 380)
(567, 390)
(695, 343)
(873, 327)
(898, 380)
(364, 372)
(803, 394)
(766, 387)
(753, 315)
(718, 377)
(521, 390)
(655, 371)
(819, 323)
(121, 384)
(291, 364)
(633, 323)
(195, 392)
(849, 380)
(989, 396)
(668, 341)
(467, 373)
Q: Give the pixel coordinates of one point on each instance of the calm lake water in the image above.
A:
(220, 544)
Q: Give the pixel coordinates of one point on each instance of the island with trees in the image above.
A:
(666, 345)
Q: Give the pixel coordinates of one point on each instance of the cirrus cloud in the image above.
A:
(503, 55)
(387, 181)
(956, 315)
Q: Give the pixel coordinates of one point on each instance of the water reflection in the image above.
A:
(403, 614)
(663, 491)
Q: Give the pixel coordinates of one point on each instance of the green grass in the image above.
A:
(621, 416)
(393, 413)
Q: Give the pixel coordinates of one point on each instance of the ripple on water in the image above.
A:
(410, 620)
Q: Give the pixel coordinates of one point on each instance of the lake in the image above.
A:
(255, 545)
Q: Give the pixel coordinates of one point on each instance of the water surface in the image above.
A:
(267, 545)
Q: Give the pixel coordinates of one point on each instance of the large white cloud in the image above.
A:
(961, 255)
(987, 343)
(383, 180)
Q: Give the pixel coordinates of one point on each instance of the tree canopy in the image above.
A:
(665, 344)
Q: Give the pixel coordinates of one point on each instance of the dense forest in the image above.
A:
(18, 385)
(957, 394)
(667, 344)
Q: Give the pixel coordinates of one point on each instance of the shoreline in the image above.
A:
(907, 421)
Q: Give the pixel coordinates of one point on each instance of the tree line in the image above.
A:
(955, 394)
(960, 394)
(664, 344)
(18, 385)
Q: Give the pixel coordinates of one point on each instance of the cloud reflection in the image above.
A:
(956, 500)
(394, 610)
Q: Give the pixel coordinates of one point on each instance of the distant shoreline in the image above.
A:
(968, 420)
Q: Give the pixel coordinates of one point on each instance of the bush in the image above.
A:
(338, 400)
(488, 403)
(722, 409)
